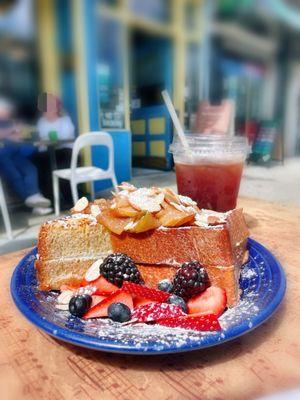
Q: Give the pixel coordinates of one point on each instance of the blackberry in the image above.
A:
(118, 267)
(190, 279)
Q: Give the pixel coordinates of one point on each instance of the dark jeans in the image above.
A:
(17, 169)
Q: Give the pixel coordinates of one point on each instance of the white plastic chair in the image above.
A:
(78, 175)
(5, 214)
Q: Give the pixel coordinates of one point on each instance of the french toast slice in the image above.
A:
(67, 247)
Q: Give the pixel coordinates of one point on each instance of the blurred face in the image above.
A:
(5, 112)
(50, 107)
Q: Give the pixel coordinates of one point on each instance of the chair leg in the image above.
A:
(5, 213)
(114, 182)
(74, 192)
(92, 190)
(56, 194)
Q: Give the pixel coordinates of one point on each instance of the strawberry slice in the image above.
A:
(103, 287)
(97, 299)
(139, 301)
(212, 301)
(200, 323)
(145, 292)
(100, 309)
(155, 311)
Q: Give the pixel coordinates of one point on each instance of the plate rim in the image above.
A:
(94, 343)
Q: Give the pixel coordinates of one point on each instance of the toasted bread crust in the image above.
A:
(214, 245)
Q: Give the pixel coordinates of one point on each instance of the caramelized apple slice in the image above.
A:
(122, 208)
(171, 216)
(146, 223)
(111, 222)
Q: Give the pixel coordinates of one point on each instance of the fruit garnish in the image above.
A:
(139, 301)
(169, 216)
(79, 305)
(145, 223)
(95, 210)
(145, 292)
(111, 222)
(190, 280)
(212, 301)
(198, 323)
(178, 301)
(119, 312)
(118, 267)
(100, 310)
(155, 311)
(81, 205)
(165, 285)
(103, 287)
(96, 299)
(144, 199)
(93, 272)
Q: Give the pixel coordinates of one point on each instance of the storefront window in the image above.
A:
(110, 74)
(192, 84)
(158, 10)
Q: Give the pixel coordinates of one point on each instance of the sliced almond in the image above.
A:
(171, 196)
(145, 200)
(182, 208)
(130, 226)
(65, 297)
(62, 307)
(95, 210)
(127, 186)
(81, 204)
(93, 272)
(186, 201)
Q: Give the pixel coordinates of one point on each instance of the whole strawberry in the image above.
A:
(190, 280)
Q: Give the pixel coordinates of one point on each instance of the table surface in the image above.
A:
(33, 365)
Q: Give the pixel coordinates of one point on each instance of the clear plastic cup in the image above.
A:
(210, 169)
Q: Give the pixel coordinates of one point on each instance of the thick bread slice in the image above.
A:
(223, 244)
(79, 235)
(67, 247)
(54, 273)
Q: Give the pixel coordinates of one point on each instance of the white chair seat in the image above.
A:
(83, 174)
(78, 175)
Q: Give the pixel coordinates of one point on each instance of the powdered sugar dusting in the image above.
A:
(257, 290)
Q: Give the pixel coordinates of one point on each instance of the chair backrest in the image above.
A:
(89, 139)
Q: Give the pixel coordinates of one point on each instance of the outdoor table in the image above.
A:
(267, 360)
(51, 145)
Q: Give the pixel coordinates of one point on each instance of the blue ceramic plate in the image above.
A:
(262, 283)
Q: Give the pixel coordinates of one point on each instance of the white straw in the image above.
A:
(174, 117)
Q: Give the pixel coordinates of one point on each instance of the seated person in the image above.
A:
(15, 165)
(56, 125)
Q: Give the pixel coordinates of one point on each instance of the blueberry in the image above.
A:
(178, 301)
(79, 305)
(165, 285)
(119, 312)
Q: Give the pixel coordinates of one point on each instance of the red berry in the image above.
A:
(145, 292)
(103, 286)
(212, 301)
(155, 311)
(199, 323)
(100, 309)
